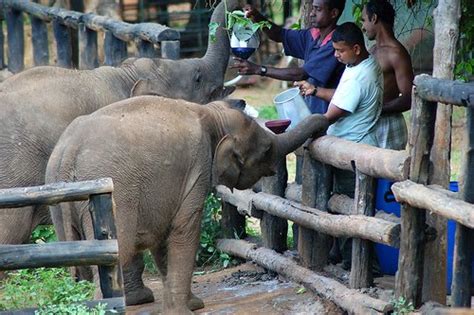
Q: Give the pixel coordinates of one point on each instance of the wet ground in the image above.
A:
(245, 289)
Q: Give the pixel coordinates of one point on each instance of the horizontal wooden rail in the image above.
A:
(58, 254)
(53, 193)
(349, 299)
(370, 160)
(444, 91)
(434, 200)
(151, 32)
(370, 228)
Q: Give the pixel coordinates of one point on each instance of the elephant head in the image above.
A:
(250, 152)
(198, 80)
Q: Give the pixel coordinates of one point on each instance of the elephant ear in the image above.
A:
(227, 163)
(144, 87)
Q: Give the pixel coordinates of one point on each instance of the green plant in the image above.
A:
(401, 306)
(43, 234)
(268, 112)
(74, 309)
(42, 287)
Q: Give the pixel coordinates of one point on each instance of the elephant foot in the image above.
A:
(195, 303)
(139, 296)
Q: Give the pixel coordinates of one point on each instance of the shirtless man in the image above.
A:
(377, 22)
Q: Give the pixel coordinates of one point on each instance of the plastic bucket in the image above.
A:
(291, 105)
(388, 256)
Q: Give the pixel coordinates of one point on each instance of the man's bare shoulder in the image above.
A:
(395, 51)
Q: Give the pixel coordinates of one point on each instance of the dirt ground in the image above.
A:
(245, 289)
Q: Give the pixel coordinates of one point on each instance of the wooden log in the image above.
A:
(444, 90)
(423, 197)
(232, 222)
(275, 229)
(58, 254)
(39, 37)
(53, 193)
(364, 204)
(2, 46)
(102, 213)
(373, 229)
(314, 246)
(115, 50)
(463, 248)
(170, 49)
(146, 49)
(351, 300)
(16, 46)
(375, 162)
(63, 44)
(88, 57)
(410, 264)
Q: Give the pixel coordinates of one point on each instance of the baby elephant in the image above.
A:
(164, 155)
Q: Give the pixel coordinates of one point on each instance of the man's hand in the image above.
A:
(245, 67)
(252, 13)
(305, 87)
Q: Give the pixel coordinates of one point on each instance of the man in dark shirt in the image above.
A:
(313, 45)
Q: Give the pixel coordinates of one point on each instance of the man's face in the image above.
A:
(368, 25)
(345, 53)
(321, 15)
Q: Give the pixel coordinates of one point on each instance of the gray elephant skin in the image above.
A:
(164, 156)
(38, 104)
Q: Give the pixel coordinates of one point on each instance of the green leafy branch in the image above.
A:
(237, 21)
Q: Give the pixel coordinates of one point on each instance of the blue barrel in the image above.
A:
(388, 256)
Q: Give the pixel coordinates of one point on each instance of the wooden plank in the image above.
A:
(103, 212)
(434, 200)
(16, 46)
(351, 300)
(314, 246)
(364, 204)
(444, 90)
(88, 56)
(375, 162)
(275, 229)
(63, 39)
(463, 248)
(115, 50)
(170, 49)
(58, 254)
(410, 264)
(53, 193)
(39, 37)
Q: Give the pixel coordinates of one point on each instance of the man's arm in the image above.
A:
(274, 32)
(286, 74)
(403, 70)
(334, 113)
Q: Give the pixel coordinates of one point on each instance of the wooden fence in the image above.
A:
(64, 23)
(319, 213)
(103, 251)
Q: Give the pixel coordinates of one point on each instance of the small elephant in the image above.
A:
(164, 156)
(38, 104)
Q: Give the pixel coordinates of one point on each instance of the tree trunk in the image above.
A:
(446, 21)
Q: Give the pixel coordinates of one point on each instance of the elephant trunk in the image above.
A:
(313, 125)
(217, 54)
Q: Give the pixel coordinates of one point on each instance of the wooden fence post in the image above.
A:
(39, 37)
(274, 229)
(115, 50)
(16, 46)
(88, 57)
(232, 222)
(313, 247)
(102, 213)
(63, 44)
(364, 204)
(2, 43)
(409, 277)
(170, 49)
(146, 49)
(463, 249)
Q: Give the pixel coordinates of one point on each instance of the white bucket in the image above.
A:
(291, 105)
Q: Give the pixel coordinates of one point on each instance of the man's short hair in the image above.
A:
(384, 10)
(336, 4)
(350, 33)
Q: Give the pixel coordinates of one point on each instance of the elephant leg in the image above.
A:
(135, 290)
(160, 255)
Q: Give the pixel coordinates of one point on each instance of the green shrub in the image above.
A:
(43, 234)
(268, 112)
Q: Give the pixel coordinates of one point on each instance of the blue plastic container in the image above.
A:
(388, 256)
